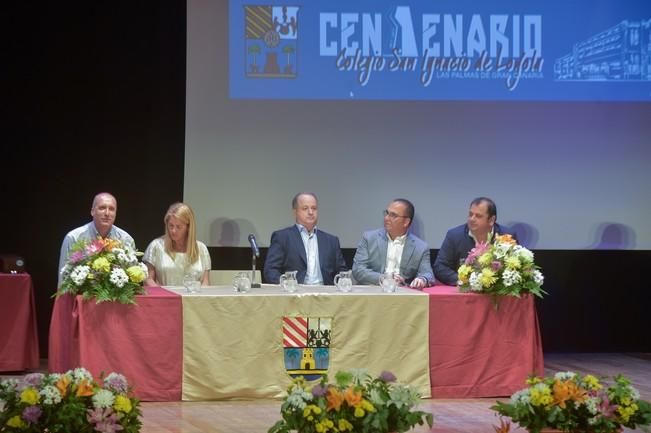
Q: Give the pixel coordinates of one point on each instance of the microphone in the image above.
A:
(254, 245)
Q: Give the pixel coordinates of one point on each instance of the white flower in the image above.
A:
(524, 254)
(501, 250)
(522, 396)
(79, 274)
(144, 269)
(564, 375)
(475, 282)
(538, 277)
(103, 398)
(511, 277)
(591, 404)
(2, 405)
(118, 277)
(359, 375)
(297, 399)
(50, 394)
(80, 374)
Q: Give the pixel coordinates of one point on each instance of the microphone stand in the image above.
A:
(254, 285)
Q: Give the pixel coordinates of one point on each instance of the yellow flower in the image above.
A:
(344, 425)
(487, 277)
(592, 382)
(30, 396)
(485, 259)
(16, 422)
(359, 412)
(136, 274)
(541, 395)
(627, 411)
(464, 273)
(367, 406)
(533, 380)
(122, 404)
(101, 264)
(512, 262)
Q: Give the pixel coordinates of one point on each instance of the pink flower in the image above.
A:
(479, 249)
(77, 256)
(496, 265)
(94, 247)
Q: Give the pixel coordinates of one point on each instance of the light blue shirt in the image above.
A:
(89, 232)
(311, 244)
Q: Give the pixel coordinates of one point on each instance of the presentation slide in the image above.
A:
(544, 106)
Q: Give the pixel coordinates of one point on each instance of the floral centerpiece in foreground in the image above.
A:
(70, 402)
(103, 269)
(573, 403)
(501, 268)
(354, 403)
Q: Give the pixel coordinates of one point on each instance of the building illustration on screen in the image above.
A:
(306, 346)
(271, 41)
(621, 53)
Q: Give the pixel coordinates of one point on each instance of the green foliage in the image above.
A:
(354, 403)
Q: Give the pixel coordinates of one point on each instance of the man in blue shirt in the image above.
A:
(315, 254)
(103, 210)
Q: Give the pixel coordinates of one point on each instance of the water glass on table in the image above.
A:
(192, 283)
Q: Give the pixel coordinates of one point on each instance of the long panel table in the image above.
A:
(233, 343)
(220, 345)
(18, 332)
(479, 349)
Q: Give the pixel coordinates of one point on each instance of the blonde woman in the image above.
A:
(177, 253)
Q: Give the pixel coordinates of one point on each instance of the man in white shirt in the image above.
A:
(394, 250)
(103, 210)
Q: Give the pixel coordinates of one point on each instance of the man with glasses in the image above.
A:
(394, 250)
(315, 254)
(480, 227)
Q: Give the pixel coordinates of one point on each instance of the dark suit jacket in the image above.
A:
(456, 246)
(287, 253)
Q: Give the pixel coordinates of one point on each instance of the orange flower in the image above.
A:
(335, 398)
(506, 239)
(110, 244)
(353, 398)
(84, 389)
(567, 390)
(62, 385)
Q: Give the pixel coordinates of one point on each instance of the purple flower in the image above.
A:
(31, 414)
(387, 376)
(105, 420)
(319, 390)
(33, 379)
(116, 382)
(496, 265)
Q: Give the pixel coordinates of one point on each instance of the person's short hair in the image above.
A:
(295, 199)
(411, 210)
(102, 194)
(490, 205)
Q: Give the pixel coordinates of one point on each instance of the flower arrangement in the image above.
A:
(501, 268)
(69, 402)
(573, 403)
(103, 269)
(354, 403)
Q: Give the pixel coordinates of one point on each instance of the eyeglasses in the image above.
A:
(393, 215)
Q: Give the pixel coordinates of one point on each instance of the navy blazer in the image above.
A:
(456, 246)
(287, 253)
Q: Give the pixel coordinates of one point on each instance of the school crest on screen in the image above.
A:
(271, 41)
(306, 346)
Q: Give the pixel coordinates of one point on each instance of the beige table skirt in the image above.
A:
(233, 343)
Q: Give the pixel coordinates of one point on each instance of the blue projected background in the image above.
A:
(566, 157)
(444, 50)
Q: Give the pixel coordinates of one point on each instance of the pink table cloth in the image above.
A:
(143, 341)
(18, 332)
(477, 350)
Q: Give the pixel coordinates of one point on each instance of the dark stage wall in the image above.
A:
(96, 101)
